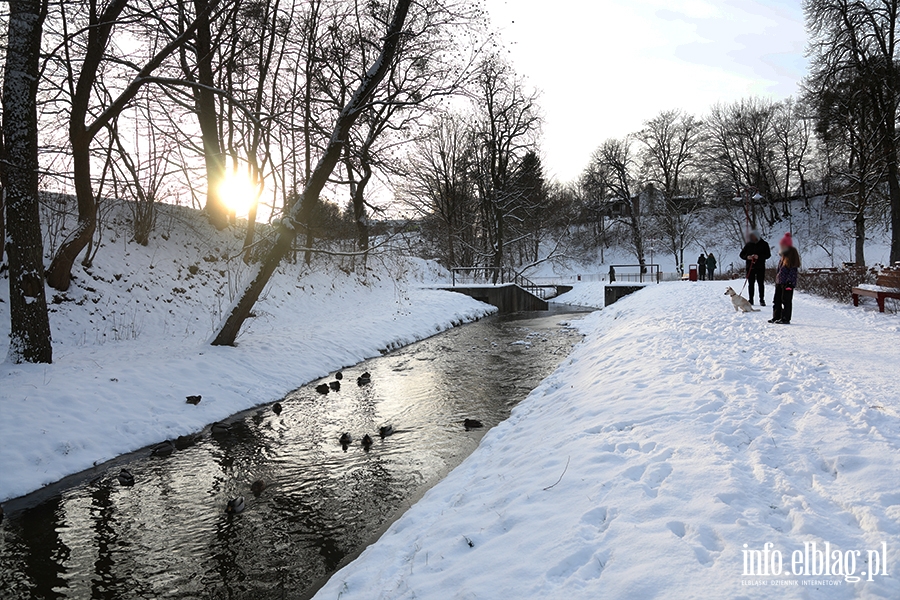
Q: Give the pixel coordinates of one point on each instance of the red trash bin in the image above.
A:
(693, 273)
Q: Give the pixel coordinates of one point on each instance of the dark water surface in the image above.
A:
(168, 536)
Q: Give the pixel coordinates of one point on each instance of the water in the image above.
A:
(168, 536)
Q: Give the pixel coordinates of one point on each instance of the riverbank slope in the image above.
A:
(130, 343)
(676, 433)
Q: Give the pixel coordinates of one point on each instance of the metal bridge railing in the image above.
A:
(631, 275)
(495, 276)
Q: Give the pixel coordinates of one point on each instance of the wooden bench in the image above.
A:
(887, 285)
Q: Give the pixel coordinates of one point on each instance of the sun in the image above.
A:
(238, 192)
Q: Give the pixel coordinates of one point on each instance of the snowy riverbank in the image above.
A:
(676, 433)
(130, 345)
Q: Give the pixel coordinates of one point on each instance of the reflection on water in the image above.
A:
(168, 536)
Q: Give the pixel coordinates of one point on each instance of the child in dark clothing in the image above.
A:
(785, 282)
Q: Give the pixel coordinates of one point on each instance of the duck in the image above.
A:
(335, 386)
(385, 430)
(164, 449)
(235, 505)
(195, 400)
(472, 424)
(338, 375)
(125, 478)
(186, 441)
(346, 440)
(276, 408)
(364, 379)
(366, 375)
(257, 487)
(220, 428)
(322, 388)
(367, 441)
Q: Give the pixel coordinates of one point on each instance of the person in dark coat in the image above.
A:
(711, 266)
(785, 282)
(701, 266)
(756, 252)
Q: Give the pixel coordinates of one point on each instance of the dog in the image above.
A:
(740, 303)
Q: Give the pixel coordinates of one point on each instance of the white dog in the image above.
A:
(740, 303)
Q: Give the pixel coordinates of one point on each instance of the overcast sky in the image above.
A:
(605, 66)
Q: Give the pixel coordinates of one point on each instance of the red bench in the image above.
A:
(887, 285)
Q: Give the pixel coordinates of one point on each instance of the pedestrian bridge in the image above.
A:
(508, 291)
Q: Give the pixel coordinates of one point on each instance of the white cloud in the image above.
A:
(605, 66)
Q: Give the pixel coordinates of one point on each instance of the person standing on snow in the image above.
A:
(785, 282)
(711, 266)
(701, 266)
(756, 252)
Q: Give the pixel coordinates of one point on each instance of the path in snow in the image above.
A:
(681, 430)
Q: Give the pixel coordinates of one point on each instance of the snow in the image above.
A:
(130, 344)
(677, 432)
(590, 294)
(877, 288)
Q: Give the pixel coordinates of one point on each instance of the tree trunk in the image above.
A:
(894, 186)
(860, 226)
(208, 120)
(59, 275)
(311, 58)
(318, 178)
(29, 323)
(497, 262)
(358, 190)
(637, 234)
(81, 134)
(451, 250)
(251, 230)
(251, 214)
(2, 196)
(893, 177)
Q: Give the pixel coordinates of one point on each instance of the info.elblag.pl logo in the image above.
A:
(814, 561)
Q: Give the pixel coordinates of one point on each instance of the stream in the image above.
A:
(168, 535)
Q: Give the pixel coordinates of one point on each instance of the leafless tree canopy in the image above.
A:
(338, 120)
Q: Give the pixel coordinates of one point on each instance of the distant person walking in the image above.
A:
(701, 266)
(711, 266)
(785, 282)
(756, 252)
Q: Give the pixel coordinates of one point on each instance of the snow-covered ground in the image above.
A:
(675, 434)
(129, 344)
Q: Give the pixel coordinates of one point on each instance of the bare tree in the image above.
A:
(614, 167)
(29, 323)
(507, 123)
(430, 65)
(740, 152)
(87, 120)
(848, 128)
(207, 114)
(438, 182)
(142, 173)
(670, 143)
(857, 40)
(302, 210)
